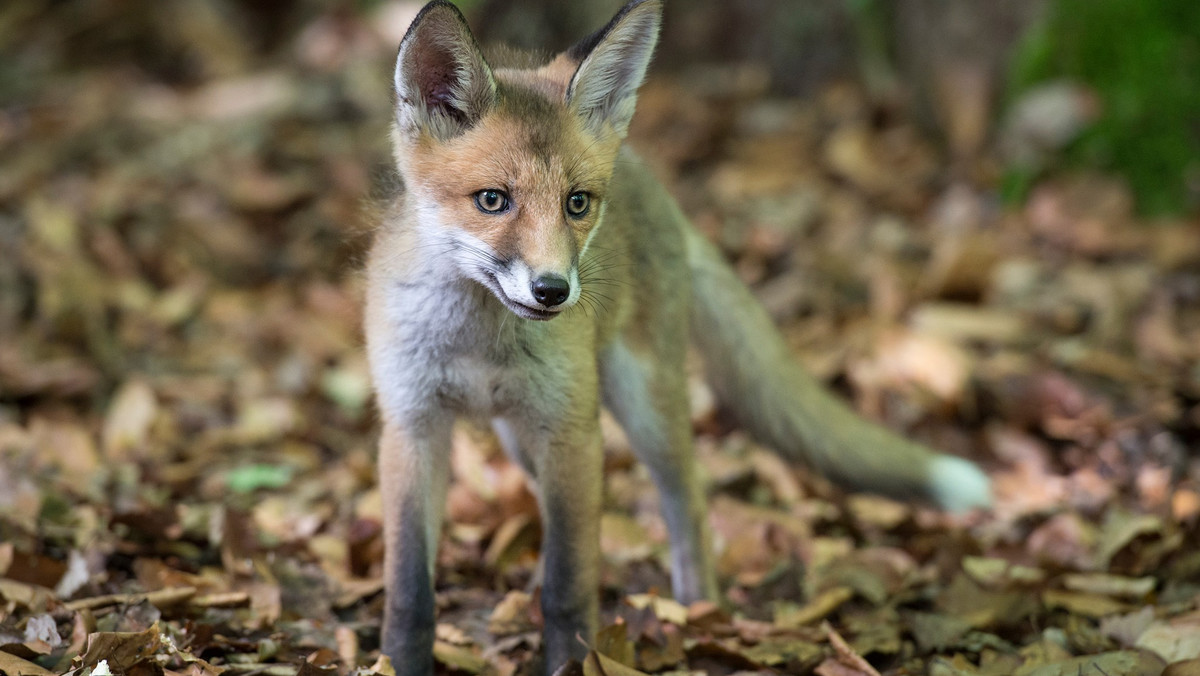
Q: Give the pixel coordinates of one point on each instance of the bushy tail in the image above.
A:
(780, 404)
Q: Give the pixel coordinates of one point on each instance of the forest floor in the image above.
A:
(187, 438)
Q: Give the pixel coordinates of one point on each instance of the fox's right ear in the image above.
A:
(443, 84)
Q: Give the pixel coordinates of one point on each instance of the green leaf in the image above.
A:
(249, 478)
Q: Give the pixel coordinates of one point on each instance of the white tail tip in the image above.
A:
(958, 485)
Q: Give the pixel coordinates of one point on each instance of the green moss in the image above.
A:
(1142, 57)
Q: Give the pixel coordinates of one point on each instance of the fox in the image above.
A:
(529, 271)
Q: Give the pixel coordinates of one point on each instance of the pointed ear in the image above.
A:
(612, 65)
(443, 85)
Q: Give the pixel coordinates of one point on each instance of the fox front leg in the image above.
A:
(413, 470)
(572, 481)
(566, 460)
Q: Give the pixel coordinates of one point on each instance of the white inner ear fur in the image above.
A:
(604, 88)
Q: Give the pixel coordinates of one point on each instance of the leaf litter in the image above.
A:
(186, 440)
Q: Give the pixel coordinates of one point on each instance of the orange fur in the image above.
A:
(495, 154)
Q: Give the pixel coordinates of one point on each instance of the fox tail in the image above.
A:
(754, 375)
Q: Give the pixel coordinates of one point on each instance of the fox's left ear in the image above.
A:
(612, 65)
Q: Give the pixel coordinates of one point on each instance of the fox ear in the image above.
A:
(443, 84)
(612, 65)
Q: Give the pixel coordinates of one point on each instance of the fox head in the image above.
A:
(510, 167)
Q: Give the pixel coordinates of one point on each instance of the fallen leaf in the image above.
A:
(596, 664)
(123, 650)
(1088, 605)
(11, 664)
(1186, 668)
(1110, 585)
(127, 424)
(613, 642)
(1125, 662)
(457, 657)
(1174, 641)
(936, 632)
(666, 610)
(789, 616)
(511, 615)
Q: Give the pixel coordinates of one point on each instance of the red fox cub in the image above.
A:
(532, 270)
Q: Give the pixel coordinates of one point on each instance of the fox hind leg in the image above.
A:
(647, 393)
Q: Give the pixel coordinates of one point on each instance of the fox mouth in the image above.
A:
(516, 307)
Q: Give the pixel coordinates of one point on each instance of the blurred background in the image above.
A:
(977, 221)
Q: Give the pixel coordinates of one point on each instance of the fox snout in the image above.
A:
(535, 294)
(526, 291)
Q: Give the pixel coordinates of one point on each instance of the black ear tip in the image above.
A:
(433, 8)
(434, 4)
(581, 49)
(634, 4)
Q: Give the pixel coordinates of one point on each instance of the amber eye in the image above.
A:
(491, 201)
(578, 203)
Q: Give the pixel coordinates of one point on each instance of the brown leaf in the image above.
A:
(11, 664)
(1174, 641)
(511, 615)
(935, 631)
(908, 360)
(1116, 548)
(666, 610)
(963, 323)
(462, 658)
(1108, 584)
(596, 664)
(383, 666)
(23, 376)
(1087, 605)
(1125, 662)
(787, 653)
(31, 596)
(319, 667)
(515, 538)
(127, 424)
(818, 608)
(123, 650)
(613, 642)
(1186, 668)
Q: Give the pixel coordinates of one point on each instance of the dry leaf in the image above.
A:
(123, 650)
(596, 664)
(127, 425)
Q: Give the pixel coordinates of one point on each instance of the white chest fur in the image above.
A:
(454, 349)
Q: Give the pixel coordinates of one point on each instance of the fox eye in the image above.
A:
(578, 203)
(491, 201)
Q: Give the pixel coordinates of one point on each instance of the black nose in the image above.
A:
(551, 290)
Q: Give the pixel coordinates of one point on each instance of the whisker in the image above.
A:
(500, 331)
